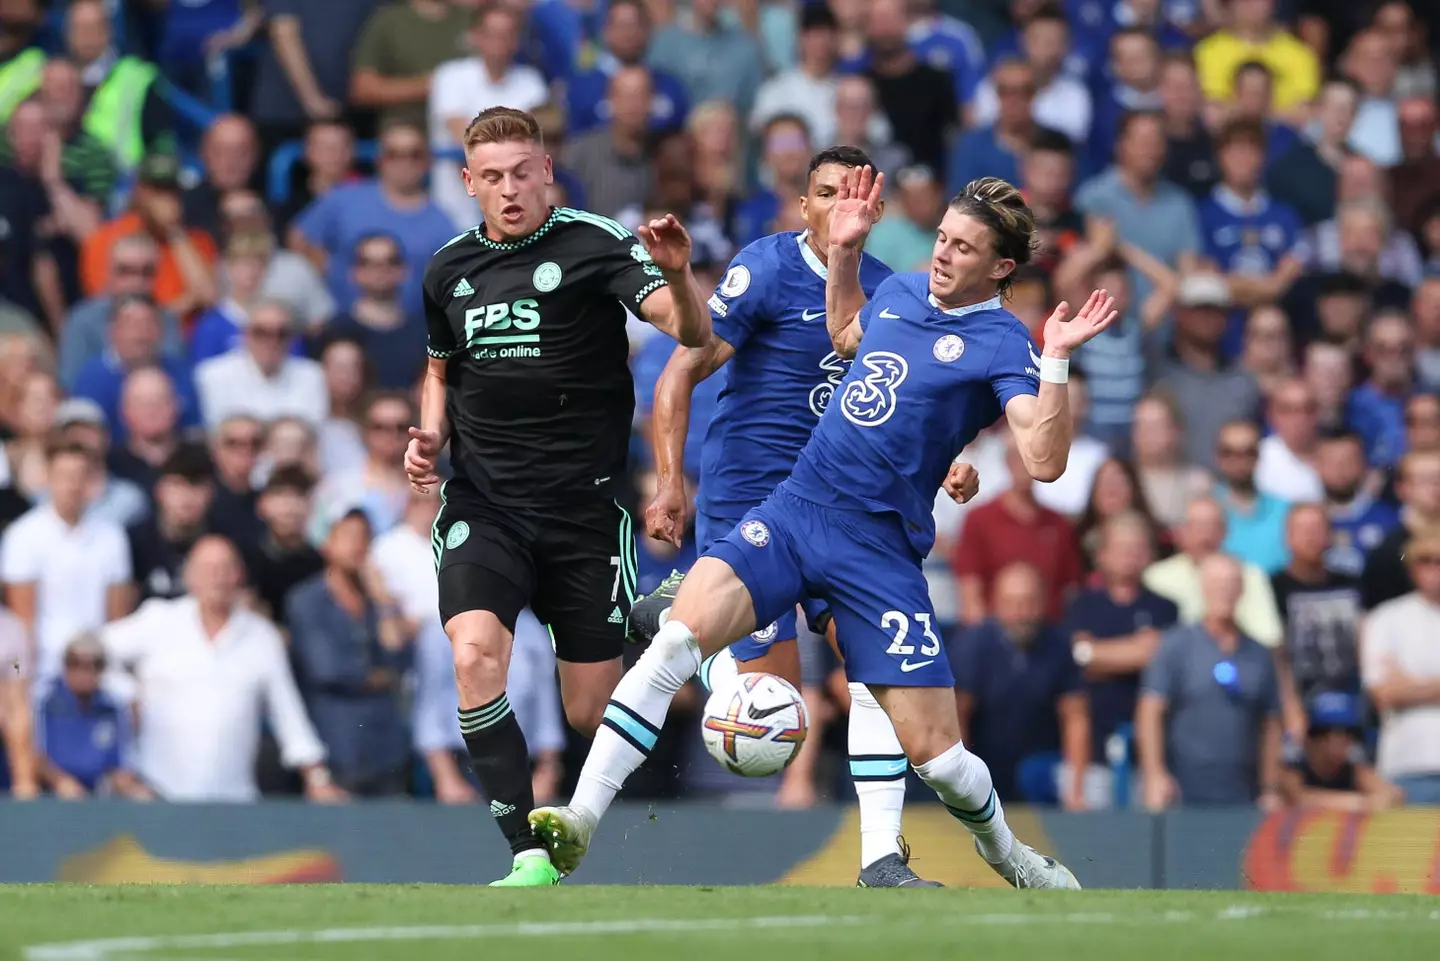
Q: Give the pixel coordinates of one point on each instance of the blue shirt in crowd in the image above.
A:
(1379, 419)
(979, 153)
(1356, 529)
(218, 331)
(1248, 237)
(1164, 224)
(587, 98)
(397, 355)
(187, 25)
(102, 379)
(88, 740)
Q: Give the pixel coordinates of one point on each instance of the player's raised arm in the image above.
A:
(678, 308)
(1041, 422)
(856, 209)
(669, 425)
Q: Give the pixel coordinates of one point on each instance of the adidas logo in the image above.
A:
(463, 289)
(616, 617)
(499, 809)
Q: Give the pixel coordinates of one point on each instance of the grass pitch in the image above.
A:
(409, 923)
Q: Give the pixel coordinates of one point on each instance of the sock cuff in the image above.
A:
(477, 719)
(631, 727)
(936, 765)
(878, 767)
(860, 696)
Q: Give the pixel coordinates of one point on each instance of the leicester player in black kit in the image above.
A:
(529, 382)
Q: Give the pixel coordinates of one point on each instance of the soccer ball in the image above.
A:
(755, 724)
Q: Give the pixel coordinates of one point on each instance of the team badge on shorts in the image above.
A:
(765, 633)
(458, 532)
(755, 532)
(949, 349)
(546, 277)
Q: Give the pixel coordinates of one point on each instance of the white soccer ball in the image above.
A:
(755, 724)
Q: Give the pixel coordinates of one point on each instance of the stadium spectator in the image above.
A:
(462, 88)
(1402, 675)
(1189, 154)
(612, 161)
(1370, 62)
(81, 423)
(23, 62)
(994, 147)
(1116, 491)
(906, 234)
(65, 571)
(304, 71)
(183, 279)
(1268, 352)
(1288, 457)
(918, 99)
(327, 161)
(160, 544)
(1253, 33)
(134, 261)
(1114, 630)
(351, 646)
(378, 488)
(785, 151)
(390, 332)
(29, 272)
(1060, 101)
(1134, 71)
(1254, 520)
(1425, 311)
(1178, 580)
(1014, 527)
(282, 556)
(1329, 372)
(17, 739)
(125, 111)
(859, 123)
(218, 329)
(712, 58)
(714, 129)
(1415, 180)
(1251, 103)
(290, 442)
(1320, 609)
(624, 39)
(286, 275)
(1020, 696)
(328, 231)
(133, 342)
(396, 55)
(208, 671)
(85, 163)
(347, 377)
(1047, 175)
(261, 377)
(1422, 422)
(196, 33)
(1305, 175)
(82, 732)
(235, 445)
(1360, 236)
(1207, 726)
(1376, 409)
(230, 160)
(1327, 768)
(1360, 519)
(1418, 483)
(25, 459)
(1167, 479)
(806, 90)
(402, 557)
(150, 414)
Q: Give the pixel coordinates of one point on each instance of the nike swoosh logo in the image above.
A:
(761, 715)
(810, 315)
(907, 667)
(1034, 357)
(887, 314)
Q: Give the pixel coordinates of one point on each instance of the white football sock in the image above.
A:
(963, 782)
(718, 668)
(634, 716)
(878, 765)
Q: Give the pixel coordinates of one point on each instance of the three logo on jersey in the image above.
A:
(870, 400)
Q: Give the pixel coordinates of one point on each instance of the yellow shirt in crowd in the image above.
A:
(1294, 65)
(1177, 579)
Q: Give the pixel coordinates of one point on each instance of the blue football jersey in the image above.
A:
(925, 381)
(1247, 238)
(771, 308)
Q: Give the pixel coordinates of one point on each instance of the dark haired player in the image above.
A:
(529, 382)
(780, 369)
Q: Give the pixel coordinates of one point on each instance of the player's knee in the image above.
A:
(480, 647)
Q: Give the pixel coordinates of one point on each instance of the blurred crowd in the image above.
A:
(214, 217)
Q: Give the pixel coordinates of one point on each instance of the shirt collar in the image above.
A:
(811, 260)
(992, 304)
(1237, 206)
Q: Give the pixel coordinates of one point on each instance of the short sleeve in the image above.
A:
(118, 569)
(1015, 369)
(19, 562)
(1162, 674)
(630, 274)
(738, 306)
(441, 336)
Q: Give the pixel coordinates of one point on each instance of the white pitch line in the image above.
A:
(115, 949)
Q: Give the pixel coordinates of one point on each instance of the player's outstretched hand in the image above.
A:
(857, 207)
(665, 515)
(668, 242)
(1067, 335)
(962, 482)
(420, 459)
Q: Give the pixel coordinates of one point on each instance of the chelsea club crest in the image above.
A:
(949, 349)
(755, 532)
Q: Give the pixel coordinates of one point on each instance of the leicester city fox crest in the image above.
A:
(870, 400)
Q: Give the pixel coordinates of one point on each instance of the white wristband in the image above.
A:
(1054, 370)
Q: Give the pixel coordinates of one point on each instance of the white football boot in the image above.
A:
(1028, 868)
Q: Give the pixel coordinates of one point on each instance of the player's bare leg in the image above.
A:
(480, 645)
(926, 723)
(585, 689)
(712, 609)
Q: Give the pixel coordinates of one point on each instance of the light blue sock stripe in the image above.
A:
(893, 768)
(704, 675)
(621, 719)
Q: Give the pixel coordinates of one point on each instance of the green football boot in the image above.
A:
(529, 873)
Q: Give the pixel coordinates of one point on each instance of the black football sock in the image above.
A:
(501, 762)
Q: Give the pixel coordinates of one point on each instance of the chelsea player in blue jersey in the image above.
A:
(937, 359)
(780, 371)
